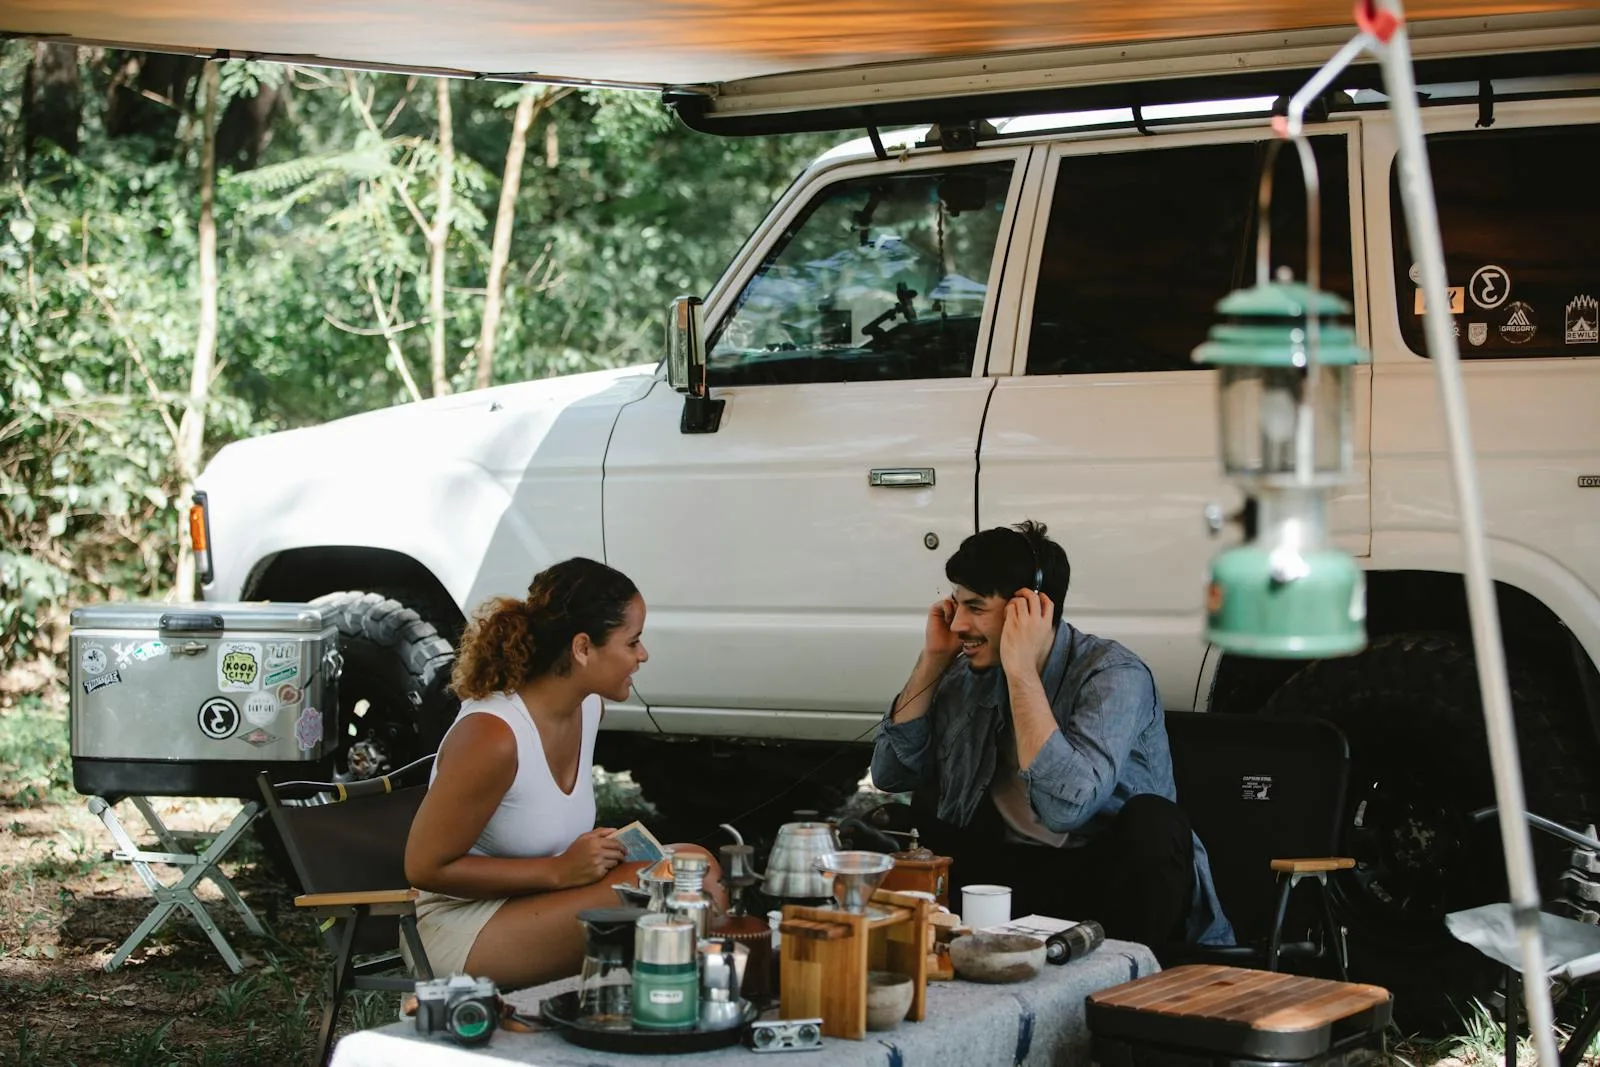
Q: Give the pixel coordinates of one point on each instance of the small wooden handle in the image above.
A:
(1313, 865)
(815, 931)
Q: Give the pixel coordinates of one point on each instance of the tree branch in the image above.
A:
(395, 355)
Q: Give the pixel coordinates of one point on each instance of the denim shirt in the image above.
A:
(1110, 744)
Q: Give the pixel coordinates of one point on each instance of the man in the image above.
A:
(1041, 753)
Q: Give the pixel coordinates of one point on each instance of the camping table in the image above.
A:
(1040, 1021)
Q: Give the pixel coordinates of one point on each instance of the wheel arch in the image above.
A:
(300, 574)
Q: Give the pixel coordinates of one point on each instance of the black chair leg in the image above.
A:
(341, 985)
(1275, 941)
(1588, 1026)
(419, 955)
(1513, 1014)
(1331, 930)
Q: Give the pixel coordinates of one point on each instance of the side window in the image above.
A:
(1519, 216)
(882, 277)
(1141, 246)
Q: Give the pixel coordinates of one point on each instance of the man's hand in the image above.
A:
(939, 645)
(1027, 635)
(591, 857)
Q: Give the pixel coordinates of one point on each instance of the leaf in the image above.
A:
(22, 229)
(73, 383)
(56, 525)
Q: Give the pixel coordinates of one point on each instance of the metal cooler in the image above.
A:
(195, 699)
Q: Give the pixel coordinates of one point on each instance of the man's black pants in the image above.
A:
(1136, 877)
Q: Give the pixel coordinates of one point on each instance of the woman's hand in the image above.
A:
(591, 857)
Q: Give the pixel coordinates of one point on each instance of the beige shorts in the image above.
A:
(449, 926)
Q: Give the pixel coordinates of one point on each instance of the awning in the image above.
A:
(744, 58)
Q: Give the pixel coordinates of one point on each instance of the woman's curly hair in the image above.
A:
(509, 642)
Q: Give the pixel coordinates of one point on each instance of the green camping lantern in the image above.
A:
(1286, 355)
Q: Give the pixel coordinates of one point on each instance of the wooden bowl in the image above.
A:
(889, 997)
(997, 957)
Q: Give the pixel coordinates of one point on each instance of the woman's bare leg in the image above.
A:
(536, 939)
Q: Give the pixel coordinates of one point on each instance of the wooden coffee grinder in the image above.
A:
(917, 869)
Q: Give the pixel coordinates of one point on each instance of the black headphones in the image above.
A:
(1038, 567)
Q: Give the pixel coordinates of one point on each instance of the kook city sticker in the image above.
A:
(93, 660)
(1521, 323)
(90, 685)
(308, 729)
(1477, 332)
(1490, 286)
(1583, 321)
(261, 709)
(218, 718)
(239, 666)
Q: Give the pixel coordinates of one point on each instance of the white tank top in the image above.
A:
(535, 818)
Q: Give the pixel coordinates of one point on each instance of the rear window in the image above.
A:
(1519, 212)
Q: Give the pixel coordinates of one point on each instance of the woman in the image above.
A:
(504, 848)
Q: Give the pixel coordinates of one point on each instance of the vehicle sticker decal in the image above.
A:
(92, 660)
(261, 709)
(218, 718)
(1583, 321)
(1490, 286)
(114, 678)
(308, 729)
(1477, 332)
(1458, 300)
(239, 666)
(1521, 323)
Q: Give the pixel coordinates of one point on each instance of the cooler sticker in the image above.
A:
(279, 675)
(1490, 286)
(1583, 321)
(288, 695)
(124, 651)
(1477, 332)
(92, 660)
(1521, 323)
(1458, 300)
(218, 718)
(308, 729)
(261, 709)
(239, 666)
(90, 685)
(279, 653)
(1256, 787)
(149, 651)
(258, 737)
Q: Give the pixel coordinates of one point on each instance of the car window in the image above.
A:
(880, 277)
(1141, 245)
(1518, 215)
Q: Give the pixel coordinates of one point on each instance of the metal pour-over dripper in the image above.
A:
(855, 876)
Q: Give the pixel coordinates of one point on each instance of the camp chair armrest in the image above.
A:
(345, 900)
(1313, 864)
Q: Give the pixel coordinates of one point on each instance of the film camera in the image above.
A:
(463, 1008)
(785, 1035)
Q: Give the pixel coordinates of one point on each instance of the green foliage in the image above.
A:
(620, 210)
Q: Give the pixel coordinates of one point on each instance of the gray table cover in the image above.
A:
(1037, 1022)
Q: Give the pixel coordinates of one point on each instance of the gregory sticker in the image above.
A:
(1490, 286)
(218, 718)
(279, 675)
(92, 660)
(239, 666)
(114, 678)
(1477, 332)
(308, 730)
(261, 709)
(1583, 321)
(1458, 302)
(1520, 324)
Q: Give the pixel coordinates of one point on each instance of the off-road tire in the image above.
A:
(395, 661)
(1411, 710)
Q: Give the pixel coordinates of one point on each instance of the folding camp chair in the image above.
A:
(1265, 795)
(347, 845)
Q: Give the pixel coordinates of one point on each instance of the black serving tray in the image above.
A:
(561, 1011)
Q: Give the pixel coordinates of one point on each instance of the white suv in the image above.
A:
(994, 325)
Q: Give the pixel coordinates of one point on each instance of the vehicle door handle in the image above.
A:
(900, 477)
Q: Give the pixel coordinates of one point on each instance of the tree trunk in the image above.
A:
(528, 108)
(52, 97)
(439, 239)
(192, 430)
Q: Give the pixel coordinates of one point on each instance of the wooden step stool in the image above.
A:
(1204, 1015)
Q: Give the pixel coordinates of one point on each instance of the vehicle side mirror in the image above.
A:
(686, 366)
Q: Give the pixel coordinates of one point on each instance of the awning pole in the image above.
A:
(1385, 21)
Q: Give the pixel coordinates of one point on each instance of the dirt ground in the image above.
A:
(64, 909)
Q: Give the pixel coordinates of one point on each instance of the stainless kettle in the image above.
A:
(791, 865)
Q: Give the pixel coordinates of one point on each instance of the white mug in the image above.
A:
(983, 906)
